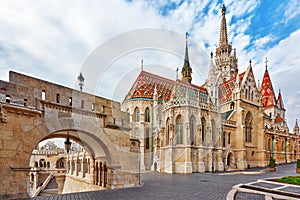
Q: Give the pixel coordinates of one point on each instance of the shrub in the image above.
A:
(298, 163)
(272, 162)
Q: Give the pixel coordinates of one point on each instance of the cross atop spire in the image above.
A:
(223, 31)
(142, 65)
(266, 63)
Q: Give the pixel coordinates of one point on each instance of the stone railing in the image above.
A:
(229, 123)
(45, 183)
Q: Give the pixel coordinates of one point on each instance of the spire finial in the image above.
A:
(223, 32)
(177, 73)
(266, 63)
(250, 62)
(211, 55)
(186, 37)
(142, 65)
(223, 9)
(80, 79)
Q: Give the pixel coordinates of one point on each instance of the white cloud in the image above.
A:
(262, 42)
(292, 10)
(52, 39)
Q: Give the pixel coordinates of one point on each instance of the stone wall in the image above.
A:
(76, 185)
(32, 110)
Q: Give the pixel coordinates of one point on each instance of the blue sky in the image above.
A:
(52, 40)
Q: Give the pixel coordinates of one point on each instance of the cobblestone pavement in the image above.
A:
(205, 186)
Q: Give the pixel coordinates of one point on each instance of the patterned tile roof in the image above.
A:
(226, 88)
(280, 101)
(267, 91)
(144, 86)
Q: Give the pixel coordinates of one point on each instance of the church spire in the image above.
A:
(186, 71)
(223, 30)
(296, 127)
(280, 101)
(267, 91)
(225, 59)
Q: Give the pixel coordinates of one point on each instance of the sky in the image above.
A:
(106, 40)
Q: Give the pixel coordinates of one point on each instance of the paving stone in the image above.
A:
(198, 186)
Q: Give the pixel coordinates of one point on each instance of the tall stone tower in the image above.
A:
(225, 61)
(186, 71)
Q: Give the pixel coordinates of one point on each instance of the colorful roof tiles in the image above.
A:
(267, 91)
(226, 88)
(144, 86)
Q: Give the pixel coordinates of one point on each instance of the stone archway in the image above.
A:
(23, 128)
(230, 161)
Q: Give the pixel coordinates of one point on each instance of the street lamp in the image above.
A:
(81, 81)
(273, 146)
(68, 144)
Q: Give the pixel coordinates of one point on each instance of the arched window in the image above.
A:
(249, 90)
(248, 126)
(203, 127)
(60, 163)
(167, 131)
(147, 115)
(252, 96)
(136, 114)
(228, 138)
(246, 94)
(282, 146)
(147, 141)
(192, 130)
(179, 130)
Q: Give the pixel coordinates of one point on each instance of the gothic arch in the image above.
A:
(248, 127)
(192, 129)
(167, 136)
(203, 129)
(147, 115)
(179, 130)
(136, 114)
(230, 160)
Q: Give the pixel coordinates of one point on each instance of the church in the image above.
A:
(231, 122)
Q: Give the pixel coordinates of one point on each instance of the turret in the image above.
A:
(296, 127)
(186, 71)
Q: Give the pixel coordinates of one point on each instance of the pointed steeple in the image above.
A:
(223, 31)
(296, 127)
(225, 59)
(186, 71)
(267, 91)
(280, 101)
(212, 70)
